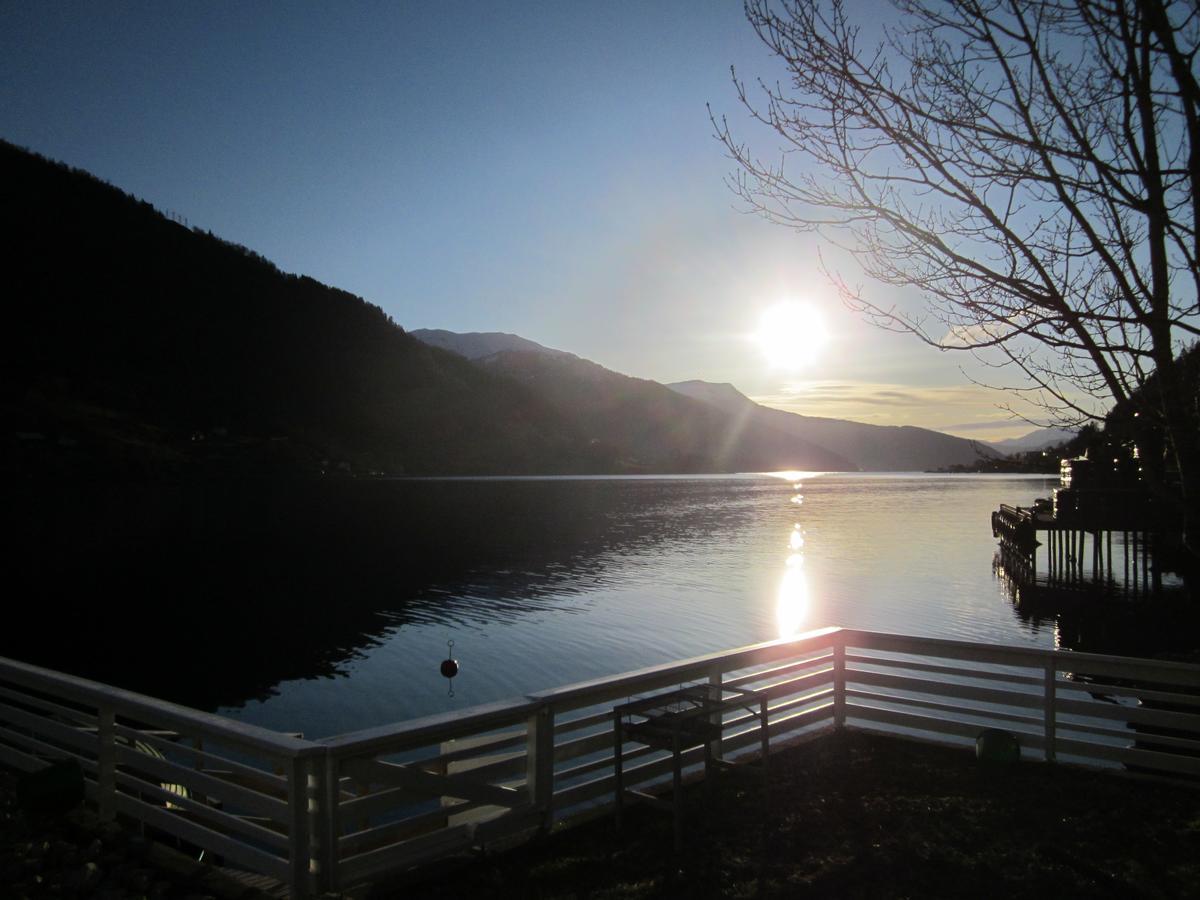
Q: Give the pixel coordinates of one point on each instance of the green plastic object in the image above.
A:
(996, 746)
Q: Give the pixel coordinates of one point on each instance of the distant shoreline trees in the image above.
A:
(1030, 167)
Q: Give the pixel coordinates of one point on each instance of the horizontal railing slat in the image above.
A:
(945, 689)
(954, 671)
(1150, 759)
(35, 746)
(1139, 715)
(430, 729)
(209, 785)
(213, 841)
(48, 728)
(872, 698)
(157, 712)
(211, 818)
(1017, 657)
(805, 665)
(566, 726)
(684, 670)
(1124, 690)
(1158, 672)
(82, 717)
(211, 763)
(933, 724)
(23, 762)
(1191, 745)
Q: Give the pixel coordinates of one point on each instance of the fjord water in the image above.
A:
(544, 582)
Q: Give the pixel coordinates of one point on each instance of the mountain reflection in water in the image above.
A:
(324, 607)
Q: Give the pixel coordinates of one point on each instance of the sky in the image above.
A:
(544, 169)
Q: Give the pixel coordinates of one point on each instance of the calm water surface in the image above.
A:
(561, 580)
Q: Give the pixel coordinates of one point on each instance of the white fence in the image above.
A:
(328, 814)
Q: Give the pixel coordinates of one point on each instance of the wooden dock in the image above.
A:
(1099, 534)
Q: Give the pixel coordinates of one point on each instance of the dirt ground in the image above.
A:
(849, 815)
(860, 815)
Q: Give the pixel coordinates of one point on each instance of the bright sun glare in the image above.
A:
(792, 335)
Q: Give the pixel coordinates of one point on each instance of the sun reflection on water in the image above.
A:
(791, 608)
(796, 541)
(792, 599)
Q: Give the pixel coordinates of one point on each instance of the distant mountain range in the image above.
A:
(876, 448)
(571, 383)
(647, 425)
(137, 345)
(1041, 439)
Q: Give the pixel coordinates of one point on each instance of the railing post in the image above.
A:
(329, 830)
(106, 763)
(716, 677)
(1048, 704)
(318, 820)
(839, 680)
(299, 833)
(198, 765)
(539, 758)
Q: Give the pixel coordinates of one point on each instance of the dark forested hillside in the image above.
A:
(136, 343)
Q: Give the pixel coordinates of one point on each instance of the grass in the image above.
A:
(854, 814)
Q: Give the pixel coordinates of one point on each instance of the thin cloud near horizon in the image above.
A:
(945, 408)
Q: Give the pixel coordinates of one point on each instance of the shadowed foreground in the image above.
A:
(860, 815)
(851, 815)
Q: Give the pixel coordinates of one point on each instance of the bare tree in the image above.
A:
(1029, 166)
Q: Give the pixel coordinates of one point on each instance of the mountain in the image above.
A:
(649, 427)
(1035, 440)
(479, 344)
(136, 344)
(878, 448)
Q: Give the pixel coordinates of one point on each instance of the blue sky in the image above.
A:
(547, 169)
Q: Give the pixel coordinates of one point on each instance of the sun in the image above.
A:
(792, 335)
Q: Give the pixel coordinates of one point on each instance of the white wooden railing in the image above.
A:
(329, 814)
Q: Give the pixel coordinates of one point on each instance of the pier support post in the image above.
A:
(1135, 562)
(1146, 562)
(1125, 557)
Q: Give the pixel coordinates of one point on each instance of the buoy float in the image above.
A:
(449, 667)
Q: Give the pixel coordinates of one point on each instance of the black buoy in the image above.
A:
(449, 667)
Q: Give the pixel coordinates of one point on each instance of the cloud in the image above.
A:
(989, 424)
(966, 409)
(962, 336)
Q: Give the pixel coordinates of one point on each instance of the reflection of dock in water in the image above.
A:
(1101, 529)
